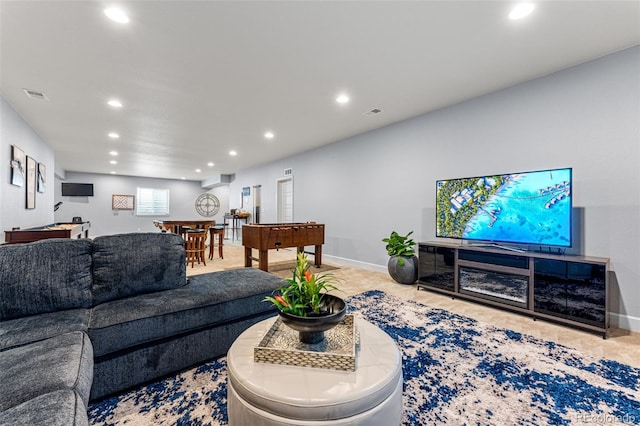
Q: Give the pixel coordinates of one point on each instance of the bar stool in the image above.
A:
(183, 229)
(194, 244)
(213, 231)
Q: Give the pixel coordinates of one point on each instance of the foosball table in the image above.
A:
(269, 236)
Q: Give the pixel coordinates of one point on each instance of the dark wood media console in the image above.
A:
(265, 237)
(573, 290)
(55, 230)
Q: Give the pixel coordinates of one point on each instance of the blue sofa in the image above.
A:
(83, 319)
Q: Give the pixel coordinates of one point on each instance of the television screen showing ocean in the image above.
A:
(533, 208)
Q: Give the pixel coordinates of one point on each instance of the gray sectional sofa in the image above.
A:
(83, 319)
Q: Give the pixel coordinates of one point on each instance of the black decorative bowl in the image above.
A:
(312, 327)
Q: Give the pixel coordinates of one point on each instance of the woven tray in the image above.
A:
(281, 345)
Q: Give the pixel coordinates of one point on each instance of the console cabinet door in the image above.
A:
(586, 293)
(436, 266)
(572, 290)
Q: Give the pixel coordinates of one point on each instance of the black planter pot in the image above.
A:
(312, 327)
(403, 274)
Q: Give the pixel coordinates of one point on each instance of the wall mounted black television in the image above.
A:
(532, 208)
(77, 189)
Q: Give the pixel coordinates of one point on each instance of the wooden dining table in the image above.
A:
(176, 226)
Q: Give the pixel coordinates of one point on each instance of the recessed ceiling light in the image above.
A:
(113, 162)
(115, 103)
(521, 10)
(269, 135)
(233, 153)
(198, 170)
(114, 135)
(117, 15)
(114, 153)
(210, 164)
(183, 178)
(342, 99)
(112, 172)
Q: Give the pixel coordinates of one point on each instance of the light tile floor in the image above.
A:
(622, 345)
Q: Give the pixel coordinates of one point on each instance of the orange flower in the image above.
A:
(281, 300)
(307, 276)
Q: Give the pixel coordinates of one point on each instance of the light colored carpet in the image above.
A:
(456, 370)
(284, 269)
(622, 345)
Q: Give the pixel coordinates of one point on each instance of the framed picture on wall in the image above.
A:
(42, 177)
(17, 166)
(123, 202)
(31, 183)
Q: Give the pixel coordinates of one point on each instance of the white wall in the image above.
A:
(586, 117)
(13, 213)
(104, 220)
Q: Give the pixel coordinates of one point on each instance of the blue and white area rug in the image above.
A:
(456, 371)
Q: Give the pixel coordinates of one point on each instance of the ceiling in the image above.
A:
(200, 78)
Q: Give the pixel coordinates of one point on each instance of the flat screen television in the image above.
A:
(532, 208)
(77, 189)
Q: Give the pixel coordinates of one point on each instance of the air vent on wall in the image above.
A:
(374, 111)
(288, 172)
(33, 94)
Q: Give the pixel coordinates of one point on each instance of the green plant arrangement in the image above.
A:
(399, 245)
(305, 291)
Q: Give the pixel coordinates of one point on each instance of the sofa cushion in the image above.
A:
(136, 263)
(58, 363)
(208, 299)
(21, 331)
(151, 362)
(44, 276)
(58, 408)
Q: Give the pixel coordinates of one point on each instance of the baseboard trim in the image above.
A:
(355, 263)
(626, 322)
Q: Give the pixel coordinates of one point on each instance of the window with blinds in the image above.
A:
(152, 202)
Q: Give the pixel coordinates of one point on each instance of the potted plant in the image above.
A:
(305, 304)
(403, 263)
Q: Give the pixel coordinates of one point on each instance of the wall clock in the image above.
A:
(207, 205)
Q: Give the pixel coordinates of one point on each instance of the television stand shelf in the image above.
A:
(572, 290)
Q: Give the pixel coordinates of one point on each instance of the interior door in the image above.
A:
(257, 194)
(284, 201)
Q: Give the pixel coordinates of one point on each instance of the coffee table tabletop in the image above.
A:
(283, 394)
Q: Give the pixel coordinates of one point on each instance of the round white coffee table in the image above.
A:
(261, 394)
